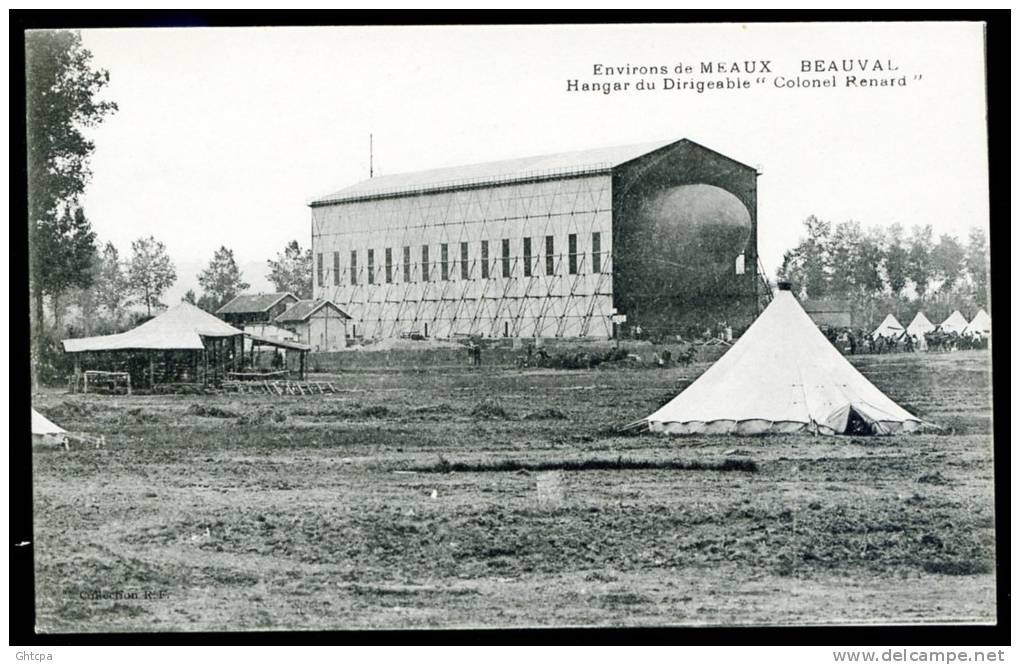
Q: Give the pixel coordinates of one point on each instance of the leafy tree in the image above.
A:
(920, 267)
(190, 297)
(896, 260)
(872, 269)
(947, 261)
(855, 259)
(292, 271)
(61, 101)
(111, 284)
(807, 264)
(976, 260)
(221, 281)
(68, 249)
(86, 299)
(151, 272)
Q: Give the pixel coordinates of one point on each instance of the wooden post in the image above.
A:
(301, 372)
(152, 371)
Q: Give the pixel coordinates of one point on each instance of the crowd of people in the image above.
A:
(852, 341)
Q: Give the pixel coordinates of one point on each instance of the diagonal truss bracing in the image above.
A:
(443, 295)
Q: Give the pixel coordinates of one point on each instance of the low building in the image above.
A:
(318, 323)
(255, 310)
(829, 312)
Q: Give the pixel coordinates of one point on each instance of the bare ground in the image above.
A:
(307, 512)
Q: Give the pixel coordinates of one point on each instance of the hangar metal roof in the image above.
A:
(540, 167)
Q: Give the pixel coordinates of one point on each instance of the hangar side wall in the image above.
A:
(644, 291)
(448, 296)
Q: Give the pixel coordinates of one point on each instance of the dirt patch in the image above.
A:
(934, 479)
(377, 411)
(210, 411)
(490, 407)
(546, 414)
(262, 416)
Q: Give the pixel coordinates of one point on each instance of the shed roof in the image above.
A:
(598, 160)
(302, 309)
(276, 341)
(179, 328)
(250, 303)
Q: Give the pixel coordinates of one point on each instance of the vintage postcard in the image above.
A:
(509, 326)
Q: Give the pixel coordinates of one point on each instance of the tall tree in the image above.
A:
(151, 272)
(86, 299)
(292, 271)
(896, 260)
(111, 284)
(976, 260)
(807, 264)
(920, 268)
(68, 250)
(947, 262)
(61, 101)
(220, 281)
(190, 297)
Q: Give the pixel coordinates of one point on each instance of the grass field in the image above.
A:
(462, 498)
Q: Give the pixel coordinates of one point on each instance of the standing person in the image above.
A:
(478, 355)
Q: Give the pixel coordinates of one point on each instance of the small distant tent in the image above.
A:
(43, 426)
(954, 324)
(45, 431)
(889, 327)
(781, 376)
(981, 324)
(920, 326)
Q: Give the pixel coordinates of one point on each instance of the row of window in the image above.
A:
(574, 261)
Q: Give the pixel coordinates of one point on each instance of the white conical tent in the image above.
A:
(889, 327)
(41, 425)
(920, 326)
(954, 324)
(782, 375)
(46, 432)
(981, 324)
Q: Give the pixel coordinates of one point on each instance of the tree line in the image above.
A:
(888, 269)
(68, 266)
(108, 287)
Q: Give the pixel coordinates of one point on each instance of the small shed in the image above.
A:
(318, 323)
(248, 310)
(829, 312)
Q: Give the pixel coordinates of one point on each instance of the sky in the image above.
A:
(224, 135)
